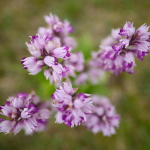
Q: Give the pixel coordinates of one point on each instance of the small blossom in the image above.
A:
(77, 60)
(87, 72)
(117, 54)
(82, 78)
(104, 118)
(46, 52)
(24, 112)
(59, 29)
(72, 109)
(95, 74)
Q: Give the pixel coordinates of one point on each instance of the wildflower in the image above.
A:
(81, 78)
(117, 52)
(46, 52)
(104, 118)
(59, 29)
(95, 74)
(24, 112)
(72, 109)
(77, 60)
(75, 63)
(90, 72)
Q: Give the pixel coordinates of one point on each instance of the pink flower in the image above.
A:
(72, 109)
(60, 29)
(46, 52)
(7, 126)
(61, 52)
(117, 54)
(104, 118)
(70, 42)
(76, 60)
(25, 112)
(82, 78)
(95, 74)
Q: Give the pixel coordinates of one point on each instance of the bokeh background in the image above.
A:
(92, 21)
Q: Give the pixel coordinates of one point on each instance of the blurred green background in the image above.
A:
(92, 21)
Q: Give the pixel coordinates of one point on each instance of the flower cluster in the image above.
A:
(88, 72)
(24, 112)
(104, 118)
(46, 52)
(51, 49)
(59, 29)
(95, 73)
(75, 63)
(72, 109)
(118, 50)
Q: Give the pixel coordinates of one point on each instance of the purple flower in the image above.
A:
(69, 41)
(127, 30)
(72, 109)
(82, 78)
(95, 74)
(104, 118)
(24, 112)
(75, 63)
(32, 65)
(61, 52)
(46, 52)
(117, 52)
(77, 60)
(57, 25)
(90, 71)
(60, 29)
(7, 126)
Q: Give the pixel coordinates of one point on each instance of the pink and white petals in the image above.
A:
(50, 54)
(104, 118)
(72, 108)
(24, 112)
(117, 55)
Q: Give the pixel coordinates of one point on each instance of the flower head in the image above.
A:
(104, 118)
(90, 72)
(77, 60)
(72, 109)
(118, 51)
(24, 112)
(46, 52)
(60, 29)
(75, 63)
